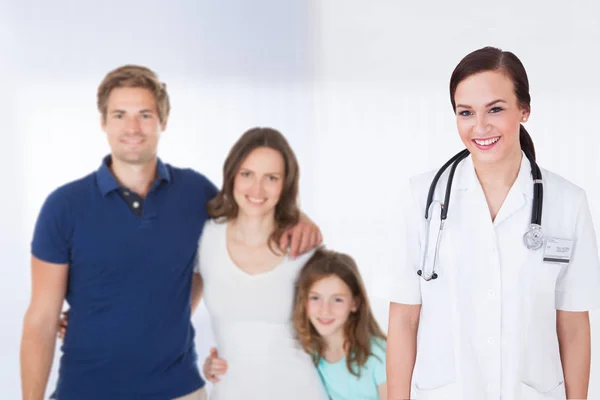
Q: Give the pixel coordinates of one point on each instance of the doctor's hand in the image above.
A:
(214, 366)
(62, 324)
(302, 237)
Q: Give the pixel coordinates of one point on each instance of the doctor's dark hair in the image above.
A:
(287, 211)
(494, 59)
(361, 326)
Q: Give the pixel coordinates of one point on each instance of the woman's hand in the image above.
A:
(62, 324)
(214, 366)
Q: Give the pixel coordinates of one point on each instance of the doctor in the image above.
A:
(492, 302)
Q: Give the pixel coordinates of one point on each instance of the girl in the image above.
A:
(333, 321)
(335, 324)
(483, 311)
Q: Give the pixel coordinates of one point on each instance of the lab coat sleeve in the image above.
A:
(404, 285)
(578, 284)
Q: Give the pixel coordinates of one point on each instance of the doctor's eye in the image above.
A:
(313, 297)
(495, 110)
(464, 113)
(245, 174)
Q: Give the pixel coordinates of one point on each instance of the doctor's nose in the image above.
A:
(482, 126)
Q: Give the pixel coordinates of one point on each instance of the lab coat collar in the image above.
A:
(468, 178)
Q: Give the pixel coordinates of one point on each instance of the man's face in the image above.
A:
(132, 125)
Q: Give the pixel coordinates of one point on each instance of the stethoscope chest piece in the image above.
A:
(533, 238)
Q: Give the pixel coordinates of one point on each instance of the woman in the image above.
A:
(496, 311)
(248, 281)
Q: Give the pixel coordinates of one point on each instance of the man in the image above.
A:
(119, 245)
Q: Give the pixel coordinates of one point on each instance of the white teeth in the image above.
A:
(256, 201)
(487, 142)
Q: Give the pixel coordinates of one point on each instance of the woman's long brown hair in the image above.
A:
(287, 212)
(361, 326)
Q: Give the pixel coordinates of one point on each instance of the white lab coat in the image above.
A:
(487, 328)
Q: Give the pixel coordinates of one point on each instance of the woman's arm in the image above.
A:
(401, 349)
(197, 285)
(573, 330)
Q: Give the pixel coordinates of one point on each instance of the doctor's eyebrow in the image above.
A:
(487, 105)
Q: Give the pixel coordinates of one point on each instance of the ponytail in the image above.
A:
(526, 143)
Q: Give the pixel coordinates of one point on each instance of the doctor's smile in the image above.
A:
(486, 144)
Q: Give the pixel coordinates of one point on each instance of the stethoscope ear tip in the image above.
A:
(433, 276)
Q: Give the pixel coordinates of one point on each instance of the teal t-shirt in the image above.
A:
(342, 385)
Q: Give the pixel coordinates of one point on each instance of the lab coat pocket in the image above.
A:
(531, 393)
(448, 392)
(435, 361)
(541, 367)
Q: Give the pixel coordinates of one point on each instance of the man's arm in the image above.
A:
(49, 283)
(302, 237)
(197, 286)
(573, 330)
(401, 349)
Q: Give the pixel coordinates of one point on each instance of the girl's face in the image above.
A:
(488, 116)
(330, 303)
(259, 182)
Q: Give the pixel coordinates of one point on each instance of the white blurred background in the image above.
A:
(360, 89)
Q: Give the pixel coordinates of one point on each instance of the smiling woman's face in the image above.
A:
(488, 116)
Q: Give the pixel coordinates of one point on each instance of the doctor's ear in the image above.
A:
(525, 116)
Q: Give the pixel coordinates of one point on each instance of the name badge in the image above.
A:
(558, 250)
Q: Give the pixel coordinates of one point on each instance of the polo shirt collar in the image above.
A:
(107, 182)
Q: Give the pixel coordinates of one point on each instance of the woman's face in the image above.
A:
(258, 184)
(488, 116)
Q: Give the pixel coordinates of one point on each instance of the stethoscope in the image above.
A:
(533, 238)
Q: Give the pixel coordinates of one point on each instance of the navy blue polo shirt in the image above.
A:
(130, 271)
